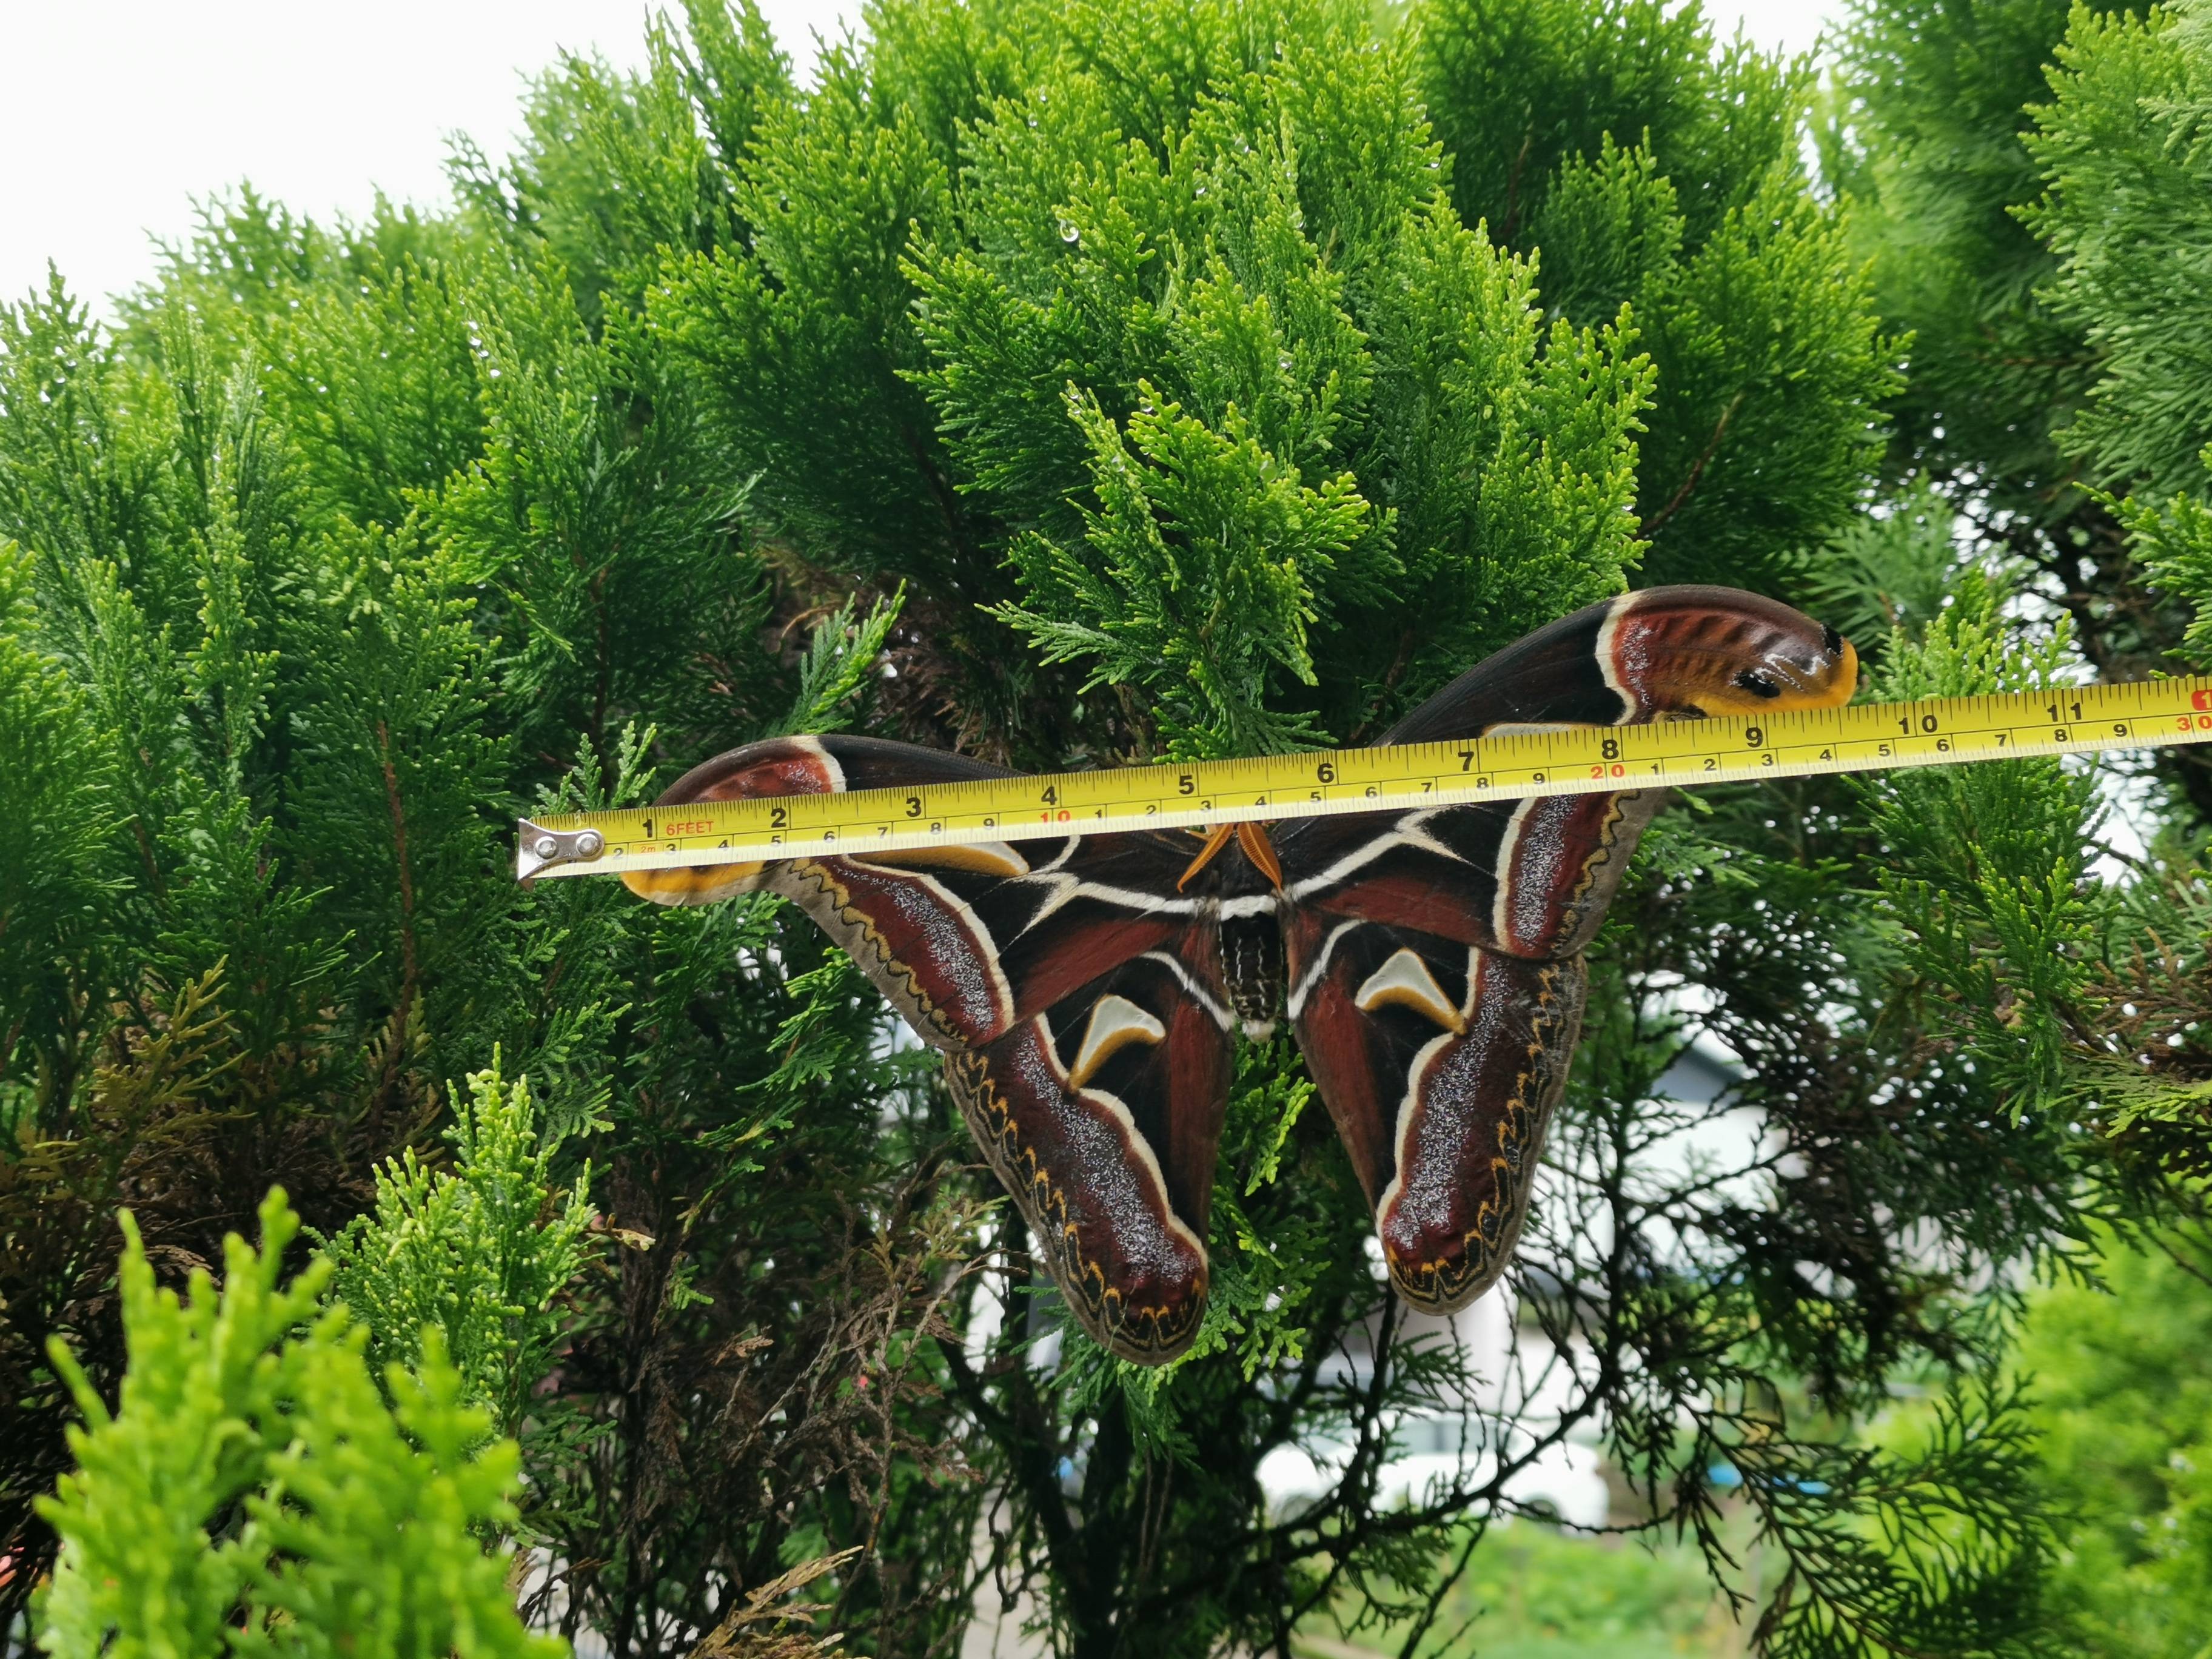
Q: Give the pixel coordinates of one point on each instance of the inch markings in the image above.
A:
(1576, 760)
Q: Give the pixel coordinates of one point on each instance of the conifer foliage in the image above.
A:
(463, 1250)
(1068, 385)
(358, 1517)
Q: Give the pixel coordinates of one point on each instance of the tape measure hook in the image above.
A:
(539, 849)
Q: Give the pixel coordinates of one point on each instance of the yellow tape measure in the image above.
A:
(1550, 761)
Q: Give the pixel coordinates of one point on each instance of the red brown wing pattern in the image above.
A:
(1435, 956)
(1441, 1063)
(1080, 1002)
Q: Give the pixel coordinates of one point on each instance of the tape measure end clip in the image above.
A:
(538, 849)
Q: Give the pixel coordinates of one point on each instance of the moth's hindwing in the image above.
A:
(1103, 1116)
(1441, 1063)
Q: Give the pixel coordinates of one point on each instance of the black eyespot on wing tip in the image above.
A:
(1831, 642)
(1757, 683)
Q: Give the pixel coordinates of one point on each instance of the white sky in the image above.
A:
(114, 114)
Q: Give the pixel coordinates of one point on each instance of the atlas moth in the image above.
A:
(1085, 990)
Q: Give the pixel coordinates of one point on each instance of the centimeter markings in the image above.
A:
(1553, 761)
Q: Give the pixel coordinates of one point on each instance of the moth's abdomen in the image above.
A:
(1252, 962)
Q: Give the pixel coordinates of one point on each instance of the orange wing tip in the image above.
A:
(694, 883)
(1847, 676)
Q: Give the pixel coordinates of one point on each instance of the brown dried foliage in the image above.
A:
(709, 1437)
(750, 1631)
(189, 1128)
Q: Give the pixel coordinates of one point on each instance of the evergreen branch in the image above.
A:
(1652, 525)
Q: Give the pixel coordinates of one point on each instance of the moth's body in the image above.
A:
(1087, 991)
(1240, 899)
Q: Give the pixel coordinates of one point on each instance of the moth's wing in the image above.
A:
(1434, 955)
(1079, 999)
(1654, 654)
(1102, 1115)
(1441, 1063)
(1533, 878)
(964, 941)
